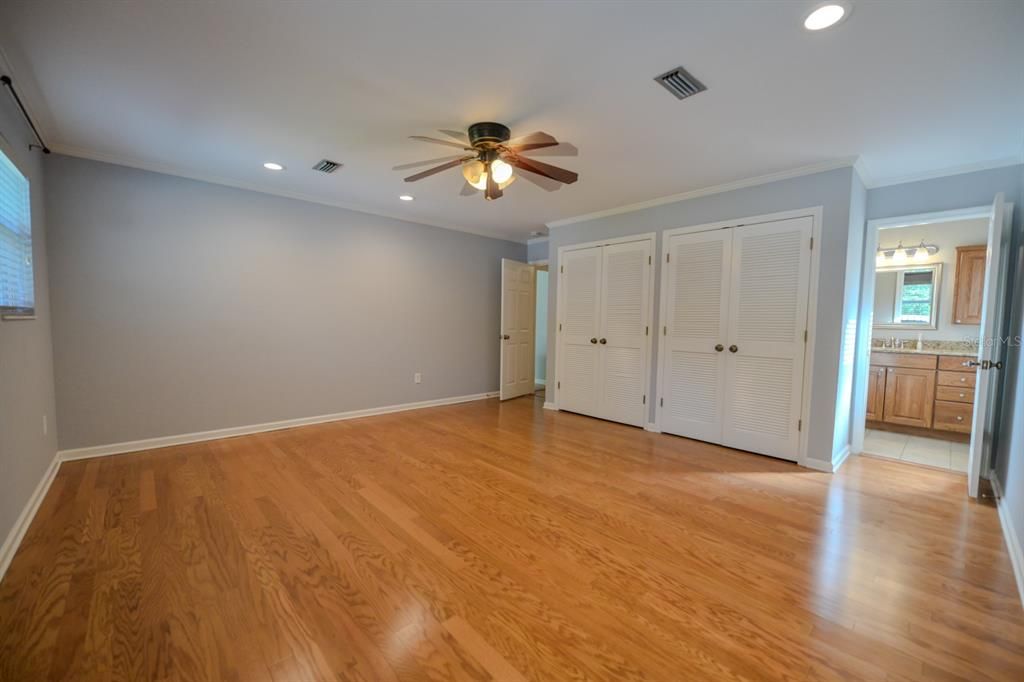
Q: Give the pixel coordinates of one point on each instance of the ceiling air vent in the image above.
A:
(680, 83)
(327, 166)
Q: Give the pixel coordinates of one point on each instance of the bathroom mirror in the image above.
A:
(907, 297)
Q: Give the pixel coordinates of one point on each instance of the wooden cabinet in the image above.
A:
(876, 393)
(969, 285)
(921, 390)
(909, 396)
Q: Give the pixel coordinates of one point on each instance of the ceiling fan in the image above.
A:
(492, 157)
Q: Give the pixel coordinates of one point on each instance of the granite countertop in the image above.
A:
(927, 351)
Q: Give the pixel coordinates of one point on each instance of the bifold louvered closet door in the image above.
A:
(734, 335)
(604, 314)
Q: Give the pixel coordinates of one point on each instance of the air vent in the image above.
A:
(680, 83)
(327, 166)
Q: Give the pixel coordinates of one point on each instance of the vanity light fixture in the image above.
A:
(899, 254)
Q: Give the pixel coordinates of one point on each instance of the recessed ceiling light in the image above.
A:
(828, 14)
(270, 165)
(406, 197)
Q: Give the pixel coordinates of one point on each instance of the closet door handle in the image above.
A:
(505, 337)
(733, 348)
(593, 340)
(719, 347)
(603, 341)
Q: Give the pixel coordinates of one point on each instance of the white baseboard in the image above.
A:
(13, 539)
(652, 427)
(550, 406)
(818, 465)
(1013, 545)
(839, 459)
(165, 441)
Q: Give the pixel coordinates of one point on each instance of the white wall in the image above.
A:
(182, 306)
(947, 236)
(26, 355)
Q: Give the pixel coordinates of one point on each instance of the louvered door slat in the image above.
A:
(625, 294)
(579, 288)
(767, 318)
(696, 288)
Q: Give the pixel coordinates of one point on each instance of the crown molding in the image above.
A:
(944, 172)
(845, 162)
(166, 169)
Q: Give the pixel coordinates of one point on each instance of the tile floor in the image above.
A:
(917, 449)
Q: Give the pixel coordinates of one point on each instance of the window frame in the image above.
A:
(8, 312)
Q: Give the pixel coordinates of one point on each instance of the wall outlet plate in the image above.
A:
(417, 378)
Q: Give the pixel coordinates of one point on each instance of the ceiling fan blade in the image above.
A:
(493, 191)
(456, 134)
(532, 145)
(545, 183)
(468, 190)
(533, 138)
(560, 149)
(435, 169)
(417, 164)
(447, 143)
(545, 169)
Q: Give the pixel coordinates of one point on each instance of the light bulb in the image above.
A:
(880, 258)
(899, 256)
(501, 171)
(921, 254)
(475, 173)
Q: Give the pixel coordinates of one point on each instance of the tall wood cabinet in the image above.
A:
(969, 285)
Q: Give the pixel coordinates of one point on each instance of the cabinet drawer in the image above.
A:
(955, 394)
(909, 360)
(964, 379)
(954, 363)
(952, 416)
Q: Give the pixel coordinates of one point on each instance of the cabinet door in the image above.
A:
(909, 396)
(876, 393)
(625, 302)
(579, 287)
(766, 336)
(692, 341)
(969, 286)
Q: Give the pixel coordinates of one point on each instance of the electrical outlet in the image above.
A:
(45, 426)
(417, 378)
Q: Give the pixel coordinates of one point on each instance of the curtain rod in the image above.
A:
(6, 80)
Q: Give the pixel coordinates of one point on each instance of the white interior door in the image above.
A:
(766, 340)
(622, 346)
(989, 351)
(579, 310)
(518, 300)
(695, 321)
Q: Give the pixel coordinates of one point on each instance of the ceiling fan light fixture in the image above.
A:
(501, 171)
(475, 173)
(826, 15)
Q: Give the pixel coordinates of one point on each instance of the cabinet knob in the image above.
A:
(959, 418)
(963, 395)
(963, 379)
(958, 321)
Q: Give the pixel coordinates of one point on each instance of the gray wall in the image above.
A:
(26, 355)
(182, 306)
(537, 250)
(833, 190)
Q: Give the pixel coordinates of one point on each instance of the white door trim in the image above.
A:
(556, 269)
(815, 213)
(867, 302)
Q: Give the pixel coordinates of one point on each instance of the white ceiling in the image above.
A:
(213, 89)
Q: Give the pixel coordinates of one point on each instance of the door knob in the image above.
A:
(719, 347)
(604, 341)
(593, 340)
(506, 337)
(733, 348)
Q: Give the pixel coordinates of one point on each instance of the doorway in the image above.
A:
(927, 372)
(540, 353)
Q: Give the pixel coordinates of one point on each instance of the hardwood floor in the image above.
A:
(501, 541)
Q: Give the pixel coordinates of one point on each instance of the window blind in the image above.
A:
(17, 290)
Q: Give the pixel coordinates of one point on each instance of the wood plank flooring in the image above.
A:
(501, 541)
